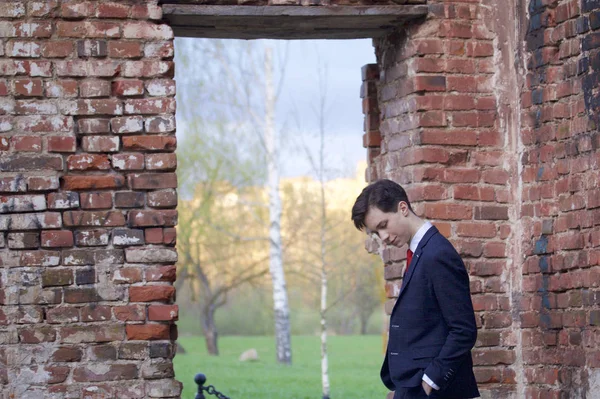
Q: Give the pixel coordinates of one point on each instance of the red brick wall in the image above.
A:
(561, 200)
(87, 198)
(490, 122)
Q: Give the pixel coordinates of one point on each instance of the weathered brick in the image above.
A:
(94, 126)
(22, 203)
(82, 295)
(80, 68)
(96, 313)
(153, 181)
(491, 213)
(5, 144)
(92, 238)
(162, 199)
(124, 49)
(77, 10)
(102, 372)
(161, 273)
(57, 277)
(147, 332)
(100, 144)
(12, 10)
(154, 235)
(18, 48)
(469, 192)
(36, 106)
(42, 183)
(97, 200)
(152, 218)
(160, 124)
(28, 87)
(151, 293)
(130, 312)
(57, 49)
(25, 163)
(39, 258)
(150, 143)
(54, 239)
(94, 218)
(161, 349)
(106, 106)
(88, 162)
(23, 240)
(37, 335)
(12, 184)
(128, 161)
(448, 211)
(85, 276)
(147, 31)
(170, 236)
(124, 88)
(34, 68)
(92, 48)
(88, 29)
(39, 296)
(62, 314)
(150, 106)
(150, 255)
(127, 237)
(161, 161)
(150, 69)
(127, 275)
(93, 182)
(128, 124)
(163, 312)
(94, 88)
(163, 388)
(158, 369)
(482, 230)
(30, 221)
(159, 50)
(147, 11)
(62, 144)
(112, 10)
(22, 314)
(133, 350)
(129, 199)
(67, 354)
(62, 88)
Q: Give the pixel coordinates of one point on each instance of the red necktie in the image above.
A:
(409, 255)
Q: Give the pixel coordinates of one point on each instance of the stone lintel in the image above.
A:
(288, 22)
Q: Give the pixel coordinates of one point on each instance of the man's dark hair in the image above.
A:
(383, 194)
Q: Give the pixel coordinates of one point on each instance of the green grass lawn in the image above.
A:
(354, 363)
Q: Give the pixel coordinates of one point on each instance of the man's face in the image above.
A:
(392, 228)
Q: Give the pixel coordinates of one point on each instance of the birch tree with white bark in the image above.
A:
(280, 297)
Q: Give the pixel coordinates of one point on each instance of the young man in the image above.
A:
(432, 326)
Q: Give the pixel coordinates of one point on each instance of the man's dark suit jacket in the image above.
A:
(432, 326)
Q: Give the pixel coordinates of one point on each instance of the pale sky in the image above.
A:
(298, 103)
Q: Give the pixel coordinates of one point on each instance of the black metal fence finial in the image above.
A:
(200, 379)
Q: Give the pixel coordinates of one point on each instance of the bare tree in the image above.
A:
(212, 257)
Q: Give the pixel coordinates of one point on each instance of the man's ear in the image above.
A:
(403, 208)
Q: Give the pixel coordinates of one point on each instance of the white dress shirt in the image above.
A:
(414, 244)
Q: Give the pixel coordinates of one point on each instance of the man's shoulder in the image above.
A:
(437, 243)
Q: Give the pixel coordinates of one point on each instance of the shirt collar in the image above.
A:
(414, 242)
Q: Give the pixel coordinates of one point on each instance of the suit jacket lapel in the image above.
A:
(415, 261)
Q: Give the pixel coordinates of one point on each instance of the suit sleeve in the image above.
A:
(451, 287)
